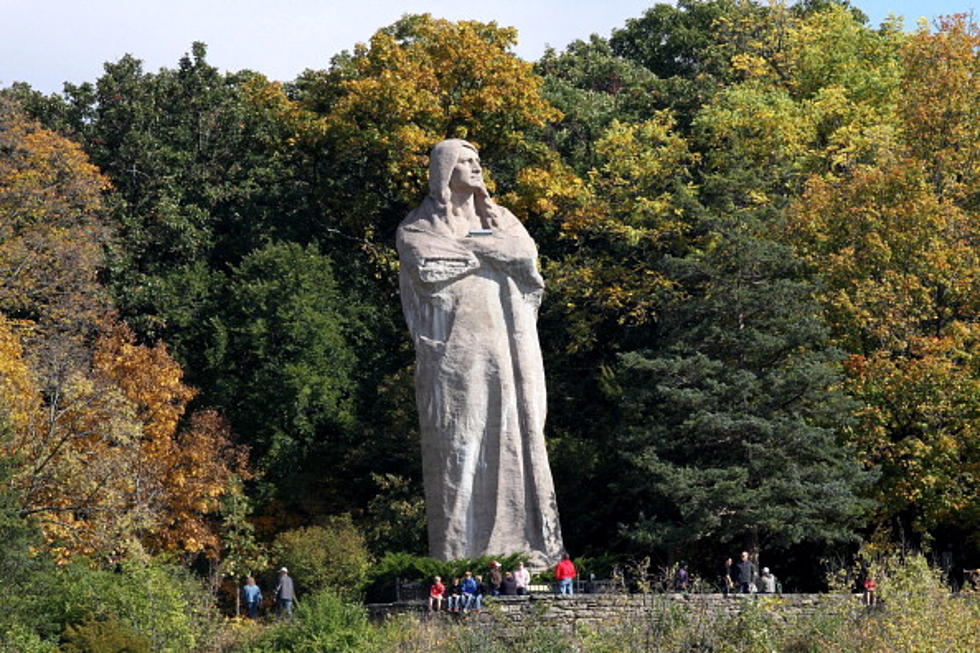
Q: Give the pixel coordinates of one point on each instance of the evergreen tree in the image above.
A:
(730, 424)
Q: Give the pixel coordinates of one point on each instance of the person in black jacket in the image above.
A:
(726, 574)
(508, 586)
(746, 573)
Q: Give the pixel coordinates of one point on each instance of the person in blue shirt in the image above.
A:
(471, 597)
(252, 596)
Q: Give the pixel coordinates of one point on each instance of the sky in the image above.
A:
(48, 42)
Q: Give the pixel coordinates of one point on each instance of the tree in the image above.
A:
(107, 442)
(52, 231)
(282, 363)
(592, 86)
(419, 81)
(901, 273)
(940, 93)
(729, 428)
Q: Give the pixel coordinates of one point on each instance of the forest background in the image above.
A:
(759, 228)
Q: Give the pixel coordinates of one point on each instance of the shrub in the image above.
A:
(322, 621)
(23, 639)
(330, 556)
(104, 636)
(160, 602)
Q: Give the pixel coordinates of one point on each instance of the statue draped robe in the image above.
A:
(480, 388)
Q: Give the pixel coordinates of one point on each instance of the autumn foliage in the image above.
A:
(105, 452)
(759, 224)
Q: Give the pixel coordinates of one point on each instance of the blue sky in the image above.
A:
(47, 42)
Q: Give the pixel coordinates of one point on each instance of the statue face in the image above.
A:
(467, 174)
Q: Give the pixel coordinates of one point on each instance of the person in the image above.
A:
(564, 574)
(495, 578)
(870, 587)
(727, 576)
(436, 590)
(508, 587)
(482, 591)
(454, 602)
(252, 596)
(746, 573)
(471, 592)
(523, 579)
(681, 578)
(285, 594)
(767, 582)
(470, 291)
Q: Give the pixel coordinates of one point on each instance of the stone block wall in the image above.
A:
(567, 612)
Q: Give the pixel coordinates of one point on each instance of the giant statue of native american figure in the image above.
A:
(470, 291)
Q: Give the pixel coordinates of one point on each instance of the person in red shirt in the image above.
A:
(435, 594)
(564, 573)
(869, 590)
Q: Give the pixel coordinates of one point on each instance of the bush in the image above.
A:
(23, 639)
(158, 601)
(330, 556)
(104, 636)
(322, 621)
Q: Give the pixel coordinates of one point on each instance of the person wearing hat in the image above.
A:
(285, 594)
(767, 582)
(495, 578)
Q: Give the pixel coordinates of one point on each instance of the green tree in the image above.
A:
(281, 363)
(729, 430)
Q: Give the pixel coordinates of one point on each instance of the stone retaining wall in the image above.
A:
(566, 612)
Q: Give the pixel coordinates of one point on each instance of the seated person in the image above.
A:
(470, 592)
(454, 600)
(508, 586)
(435, 594)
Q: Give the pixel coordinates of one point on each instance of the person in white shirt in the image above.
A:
(523, 578)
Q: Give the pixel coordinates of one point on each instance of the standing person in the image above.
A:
(746, 573)
(523, 578)
(727, 574)
(285, 594)
(252, 596)
(767, 582)
(435, 594)
(564, 573)
(869, 591)
(495, 578)
(681, 578)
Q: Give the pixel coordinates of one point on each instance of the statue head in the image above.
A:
(443, 161)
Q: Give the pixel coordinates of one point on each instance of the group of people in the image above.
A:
(285, 595)
(467, 593)
(741, 577)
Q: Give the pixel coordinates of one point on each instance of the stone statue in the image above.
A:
(470, 291)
